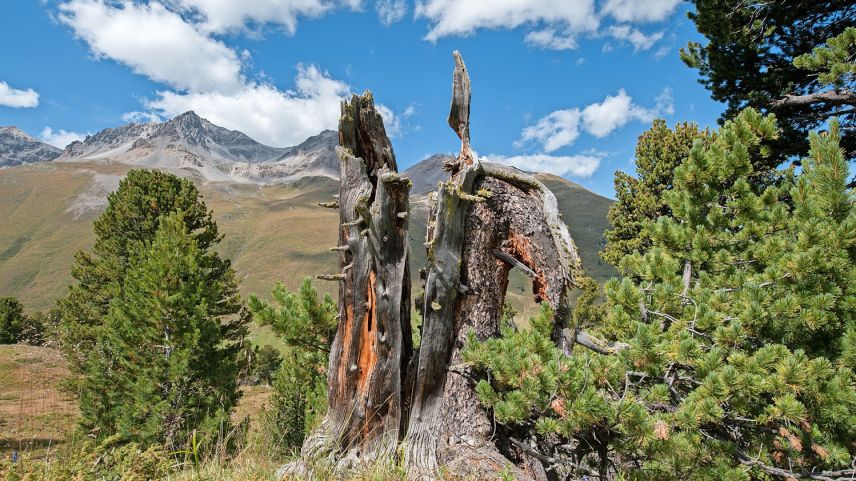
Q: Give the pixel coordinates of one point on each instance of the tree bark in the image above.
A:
(483, 209)
(372, 345)
(831, 97)
(485, 220)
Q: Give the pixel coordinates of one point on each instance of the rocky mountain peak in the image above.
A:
(107, 140)
(14, 132)
(18, 147)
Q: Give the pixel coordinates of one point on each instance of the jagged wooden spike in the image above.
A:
(513, 262)
(459, 114)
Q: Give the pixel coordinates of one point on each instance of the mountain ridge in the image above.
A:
(190, 142)
(18, 147)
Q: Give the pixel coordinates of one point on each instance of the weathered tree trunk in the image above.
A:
(373, 340)
(486, 219)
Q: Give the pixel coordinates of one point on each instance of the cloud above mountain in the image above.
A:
(205, 74)
(561, 128)
(59, 138)
(156, 42)
(16, 98)
(175, 44)
(263, 111)
(581, 165)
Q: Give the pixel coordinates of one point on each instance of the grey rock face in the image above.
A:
(106, 141)
(316, 156)
(203, 138)
(17, 147)
(427, 173)
(189, 141)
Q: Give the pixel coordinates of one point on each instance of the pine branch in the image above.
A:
(590, 342)
(841, 475)
(551, 462)
(832, 97)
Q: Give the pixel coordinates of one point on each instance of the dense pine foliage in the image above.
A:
(737, 330)
(12, 320)
(132, 216)
(640, 199)
(151, 328)
(755, 56)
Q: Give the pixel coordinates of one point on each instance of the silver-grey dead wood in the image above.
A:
(387, 401)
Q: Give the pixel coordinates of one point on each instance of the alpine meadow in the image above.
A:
(625, 252)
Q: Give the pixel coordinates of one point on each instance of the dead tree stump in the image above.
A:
(372, 345)
(485, 220)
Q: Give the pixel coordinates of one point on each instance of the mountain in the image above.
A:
(267, 210)
(17, 147)
(316, 156)
(427, 173)
(106, 143)
(190, 142)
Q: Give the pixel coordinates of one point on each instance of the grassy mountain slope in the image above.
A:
(273, 233)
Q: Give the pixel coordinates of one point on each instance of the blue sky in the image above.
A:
(558, 85)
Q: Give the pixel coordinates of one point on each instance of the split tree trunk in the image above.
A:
(373, 340)
(485, 220)
(488, 218)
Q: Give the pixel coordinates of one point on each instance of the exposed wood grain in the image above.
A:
(484, 220)
(482, 212)
(372, 345)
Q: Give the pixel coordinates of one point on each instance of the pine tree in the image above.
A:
(132, 215)
(751, 60)
(267, 362)
(165, 361)
(12, 320)
(307, 325)
(735, 332)
(640, 199)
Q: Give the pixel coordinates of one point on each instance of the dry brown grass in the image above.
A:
(34, 415)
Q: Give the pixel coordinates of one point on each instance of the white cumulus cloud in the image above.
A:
(561, 128)
(556, 130)
(264, 112)
(551, 39)
(141, 117)
(464, 17)
(639, 40)
(581, 165)
(394, 123)
(59, 138)
(220, 16)
(156, 42)
(600, 119)
(640, 11)
(391, 11)
(12, 97)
